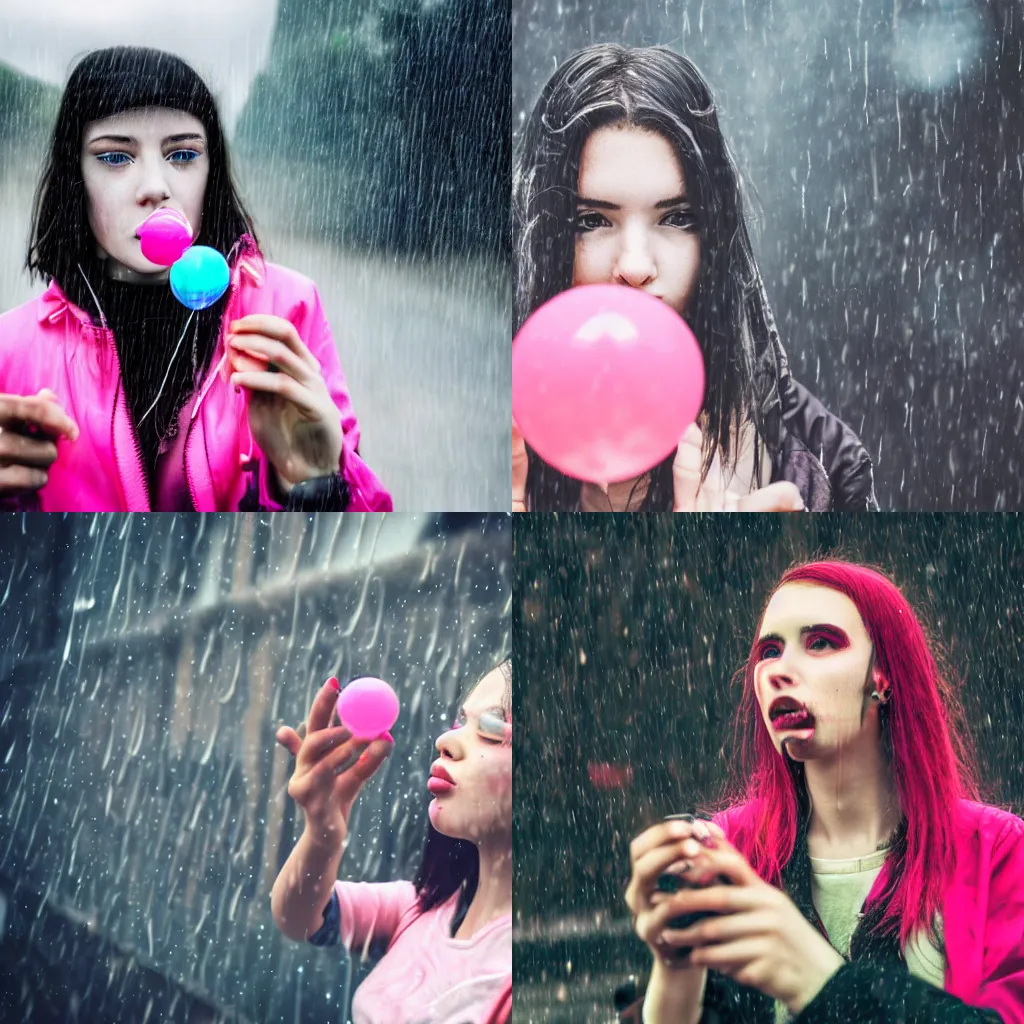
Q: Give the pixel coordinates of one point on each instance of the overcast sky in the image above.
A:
(226, 41)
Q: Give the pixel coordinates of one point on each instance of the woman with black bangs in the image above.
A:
(113, 395)
(623, 176)
(447, 935)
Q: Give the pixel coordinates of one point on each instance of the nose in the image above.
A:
(635, 265)
(447, 745)
(153, 185)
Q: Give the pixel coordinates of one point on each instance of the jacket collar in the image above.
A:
(248, 261)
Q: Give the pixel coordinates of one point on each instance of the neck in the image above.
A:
(622, 496)
(854, 804)
(116, 271)
(493, 897)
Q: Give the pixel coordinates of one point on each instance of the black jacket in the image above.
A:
(808, 445)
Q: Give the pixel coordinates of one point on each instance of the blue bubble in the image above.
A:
(200, 277)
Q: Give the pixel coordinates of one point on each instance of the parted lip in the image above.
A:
(437, 771)
(785, 705)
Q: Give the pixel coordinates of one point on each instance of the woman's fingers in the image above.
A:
(720, 927)
(289, 739)
(778, 497)
(281, 384)
(26, 451)
(21, 478)
(275, 328)
(323, 704)
(268, 351)
(371, 756)
(40, 410)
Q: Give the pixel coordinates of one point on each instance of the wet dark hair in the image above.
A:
(656, 90)
(104, 83)
(448, 864)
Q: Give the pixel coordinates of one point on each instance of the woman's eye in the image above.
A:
(769, 651)
(492, 727)
(681, 219)
(183, 156)
(590, 222)
(820, 642)
(114, 159)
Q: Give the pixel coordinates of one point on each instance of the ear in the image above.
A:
(881, 685)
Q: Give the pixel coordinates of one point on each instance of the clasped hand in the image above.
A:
(291, 413)
(757, 936)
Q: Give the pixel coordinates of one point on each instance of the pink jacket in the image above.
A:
(50, 343)
(983, 908)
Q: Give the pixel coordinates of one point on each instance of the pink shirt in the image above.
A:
(426, 976)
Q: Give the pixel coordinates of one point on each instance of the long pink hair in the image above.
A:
(932, 762)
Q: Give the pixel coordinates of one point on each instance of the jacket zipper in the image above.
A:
(119, 400)
(214, 369)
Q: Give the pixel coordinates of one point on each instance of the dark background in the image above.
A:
(145, 665)
(883, 138)
(630, 632)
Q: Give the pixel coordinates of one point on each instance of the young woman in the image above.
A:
(623, 176)
(866, 881)
(448, 933)
(113, 395)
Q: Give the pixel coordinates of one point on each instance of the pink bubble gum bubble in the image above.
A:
(164, 236)
(605, 380)
(368, 707)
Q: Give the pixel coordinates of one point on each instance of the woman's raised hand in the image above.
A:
(330, 768)
(755, 934)
(29, 428)
(690, 495)
(292, 415)
(520, 465)
(663, 848)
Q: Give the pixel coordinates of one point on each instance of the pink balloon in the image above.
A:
(605, 380)
(368, 707)
(165, 234)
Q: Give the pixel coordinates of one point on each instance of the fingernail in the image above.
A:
(334, 684)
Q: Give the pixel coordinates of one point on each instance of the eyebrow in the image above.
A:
(601, 204)
(818, 626)
(128, 139)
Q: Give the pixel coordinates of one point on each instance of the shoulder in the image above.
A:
(991, 824)
(29, 313)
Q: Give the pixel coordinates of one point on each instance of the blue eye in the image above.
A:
(114, 159)
(183, 156)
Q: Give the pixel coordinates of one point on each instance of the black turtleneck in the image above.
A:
(158, 374)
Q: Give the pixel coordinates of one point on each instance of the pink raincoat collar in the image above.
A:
(54, 304)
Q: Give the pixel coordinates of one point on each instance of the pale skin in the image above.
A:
(331, 769)
(134, 163)
(814, 648)
(479, 809)
(636, 227)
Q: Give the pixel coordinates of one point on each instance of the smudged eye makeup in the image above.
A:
(491, 726)
(817, 638)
